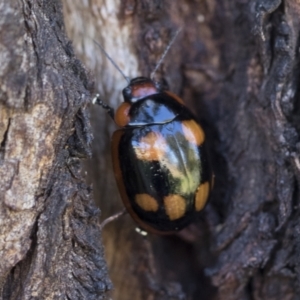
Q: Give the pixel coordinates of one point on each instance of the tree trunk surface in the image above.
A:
(49, 234)
(234, 63)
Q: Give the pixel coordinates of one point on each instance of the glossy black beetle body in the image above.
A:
(159, 160)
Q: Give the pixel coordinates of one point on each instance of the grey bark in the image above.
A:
(49, 234)
(236, 65)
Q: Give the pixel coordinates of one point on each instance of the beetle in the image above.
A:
(159, 158)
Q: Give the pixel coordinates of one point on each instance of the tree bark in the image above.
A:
(50, 239)
(235, 64)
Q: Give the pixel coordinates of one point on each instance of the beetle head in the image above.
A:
(139, 88)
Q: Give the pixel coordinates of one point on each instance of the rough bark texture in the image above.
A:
(49, 234)
(235, 64)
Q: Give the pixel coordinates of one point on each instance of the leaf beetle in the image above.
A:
(159, 159)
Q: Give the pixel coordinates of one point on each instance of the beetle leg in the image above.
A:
(113, 217)
(109, 110)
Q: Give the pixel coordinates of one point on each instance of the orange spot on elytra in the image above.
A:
(175, 206)
(193, 132)
(152, 146)
(122, 114)
(146, 202)
(122, 189)
(201, 196)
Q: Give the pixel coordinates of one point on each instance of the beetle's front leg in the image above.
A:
(109, 110)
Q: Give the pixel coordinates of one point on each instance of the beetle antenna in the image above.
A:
(111, 60)
(165, 53)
